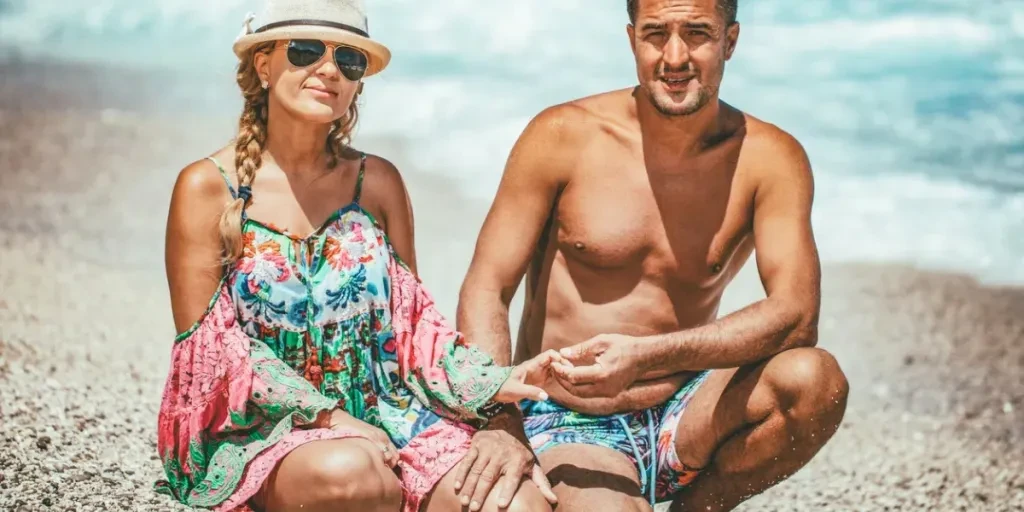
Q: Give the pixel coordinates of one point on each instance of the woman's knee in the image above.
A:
(355, 475)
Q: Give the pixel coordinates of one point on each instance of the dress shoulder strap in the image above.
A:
(224, 174)
(359, 179)
(244, 192)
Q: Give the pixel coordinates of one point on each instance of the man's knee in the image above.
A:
(353, 475)
(809, 384)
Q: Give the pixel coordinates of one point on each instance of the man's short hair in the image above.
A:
(727, 8)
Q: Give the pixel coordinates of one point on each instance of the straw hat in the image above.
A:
(335, 21)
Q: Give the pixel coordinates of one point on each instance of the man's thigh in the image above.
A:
(724, 403)
(590, 478)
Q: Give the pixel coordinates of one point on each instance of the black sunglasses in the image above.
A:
(306, 52)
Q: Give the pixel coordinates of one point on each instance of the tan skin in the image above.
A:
(295, 191)
(629, 213)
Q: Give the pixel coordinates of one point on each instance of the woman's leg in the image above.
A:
(328, 476)
(444, 498)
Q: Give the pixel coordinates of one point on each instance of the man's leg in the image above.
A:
(590, 478)
(752, 427)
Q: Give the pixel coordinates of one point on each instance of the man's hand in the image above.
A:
(501, 460)
(603, 366)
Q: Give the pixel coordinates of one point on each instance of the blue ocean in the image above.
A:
(912, 111)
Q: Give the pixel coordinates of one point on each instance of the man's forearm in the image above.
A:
(482, 317)
(752, 334)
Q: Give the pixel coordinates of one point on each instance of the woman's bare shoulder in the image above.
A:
(199, 197)
(202, 181)
(385, 175)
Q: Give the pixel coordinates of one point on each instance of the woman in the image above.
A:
(320, 377)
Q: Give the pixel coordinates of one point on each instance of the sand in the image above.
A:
(935, 418)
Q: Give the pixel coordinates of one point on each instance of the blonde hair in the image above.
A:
(252, 136)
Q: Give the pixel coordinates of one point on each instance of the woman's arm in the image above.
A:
(192, 253)
(389, 197)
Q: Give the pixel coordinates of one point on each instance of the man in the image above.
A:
(629, 212)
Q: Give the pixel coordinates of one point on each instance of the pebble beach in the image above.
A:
(935, 360)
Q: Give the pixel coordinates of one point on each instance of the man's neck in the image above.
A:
(679, 135)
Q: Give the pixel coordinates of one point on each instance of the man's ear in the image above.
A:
(732, 37)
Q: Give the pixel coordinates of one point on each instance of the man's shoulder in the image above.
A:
(607, 112)
(770, 143)
(617, 103)
(771, 156)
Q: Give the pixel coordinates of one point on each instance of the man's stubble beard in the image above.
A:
(700, 100)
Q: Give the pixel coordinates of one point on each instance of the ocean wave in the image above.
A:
(911, 110)
(936, 223)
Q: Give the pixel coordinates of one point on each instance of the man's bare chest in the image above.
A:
(681, 229)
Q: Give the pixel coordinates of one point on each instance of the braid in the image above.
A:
(252, 136)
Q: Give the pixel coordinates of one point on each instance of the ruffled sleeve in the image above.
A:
(453, 379)
(227, 398)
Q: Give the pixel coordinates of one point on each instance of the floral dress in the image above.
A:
(300, 326)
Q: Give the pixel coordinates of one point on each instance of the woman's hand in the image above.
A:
(530, 380)
(341, 420)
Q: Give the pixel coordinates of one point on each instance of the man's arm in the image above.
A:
(526, 194)
(787, 261)
(500, 454)
(532, 179)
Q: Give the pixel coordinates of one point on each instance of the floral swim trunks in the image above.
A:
(662, 474)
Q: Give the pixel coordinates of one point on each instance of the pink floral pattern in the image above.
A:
(226, 399)
(428, 457)
(434, 358)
